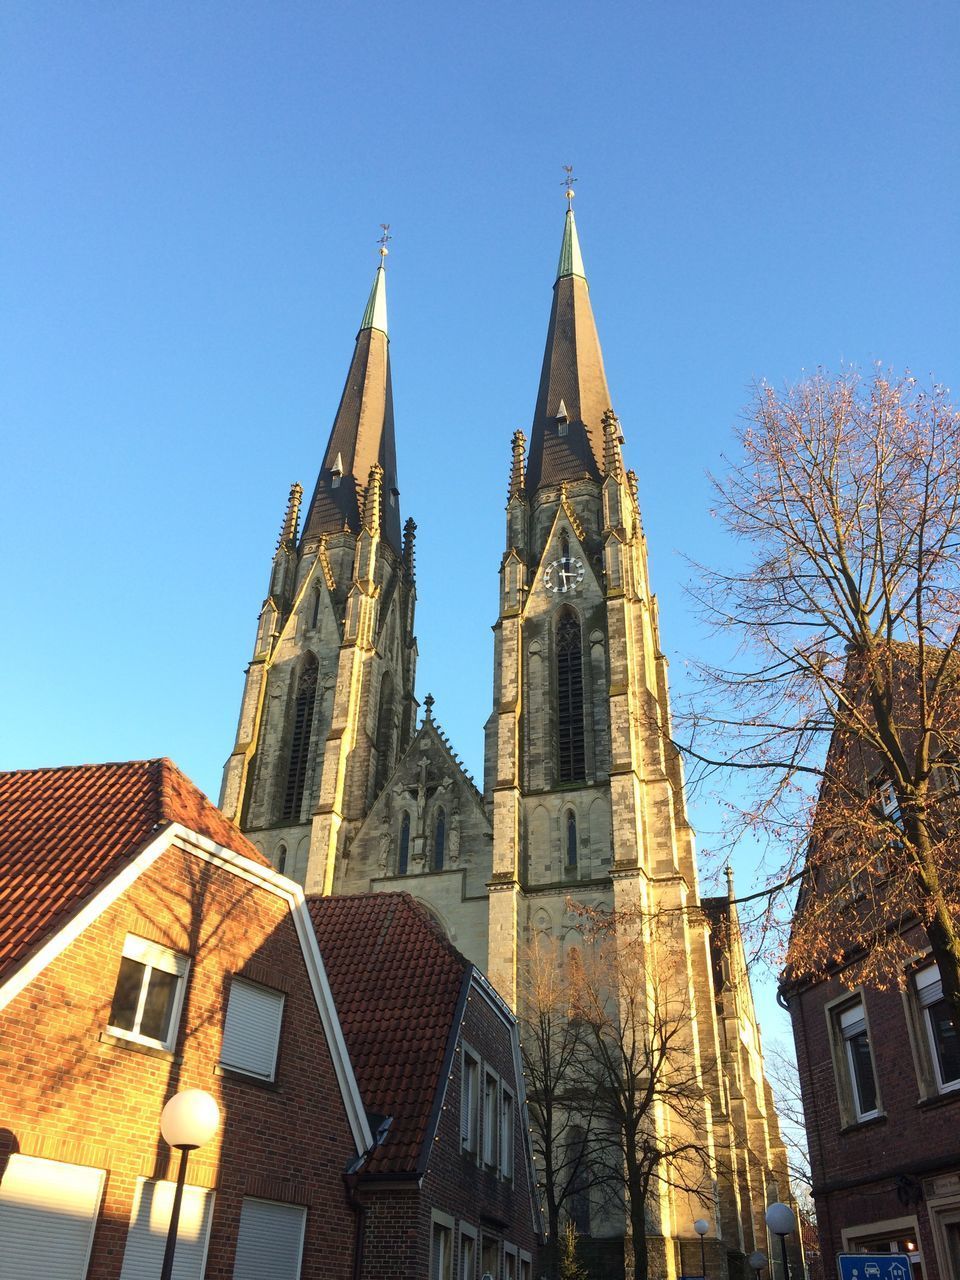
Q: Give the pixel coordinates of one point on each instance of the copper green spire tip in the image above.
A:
(571, 259)
(375, 316)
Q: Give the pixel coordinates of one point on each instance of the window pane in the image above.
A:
(126, 997)
(155, 1021)
(947, 1043)
(864, 1084)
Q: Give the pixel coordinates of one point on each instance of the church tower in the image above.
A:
(328, 705)
(584, 788)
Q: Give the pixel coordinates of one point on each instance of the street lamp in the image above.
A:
(782, 1223)
(701, 1227)
(189, 1120)
(756, 1262)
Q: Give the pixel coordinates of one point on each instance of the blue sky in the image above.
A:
(188, 220)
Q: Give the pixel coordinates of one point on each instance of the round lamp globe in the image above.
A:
(190, 1119)
(780, 1219)
(701, 1226)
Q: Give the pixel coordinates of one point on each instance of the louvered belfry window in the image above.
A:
(570, 746)
(300, 741)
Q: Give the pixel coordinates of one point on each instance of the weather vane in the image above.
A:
(568, 182)
(382, 242)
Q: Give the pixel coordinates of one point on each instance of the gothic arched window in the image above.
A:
(282, 859)
(564, 546)
(571, 754)
(384, 733)
(403, 848)
(439, 840)
(300, 740)
(570, 843)
(317, 601)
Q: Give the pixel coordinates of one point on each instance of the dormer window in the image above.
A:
(336, 472)
(562, 420)
(394, 497)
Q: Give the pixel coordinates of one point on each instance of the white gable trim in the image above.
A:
(245, 869)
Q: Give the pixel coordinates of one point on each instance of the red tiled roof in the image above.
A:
(396, 982)
(64, 832)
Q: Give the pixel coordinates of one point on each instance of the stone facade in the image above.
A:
(583, 792)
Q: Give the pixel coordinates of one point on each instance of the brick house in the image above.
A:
(879, 1064)
(146, 947)
(449, 1191)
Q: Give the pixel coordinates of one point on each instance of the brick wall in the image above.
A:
(873, 1171)
(398, 1226)
(68, 1092)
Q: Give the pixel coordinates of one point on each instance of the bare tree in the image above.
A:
(640, 1067)
(841, 703)
(561, 1112)
(781, 1071)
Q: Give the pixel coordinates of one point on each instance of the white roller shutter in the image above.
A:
(149, 1222)
(48, 1211)
(270, 1242)
(251, 1034)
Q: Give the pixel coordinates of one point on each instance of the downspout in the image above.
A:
(360, 1214)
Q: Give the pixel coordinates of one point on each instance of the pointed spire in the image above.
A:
(567, 440)
(362, 433)
(291, 519)
(518, 480)
(428, 707)
(375, 314)
(571, 259)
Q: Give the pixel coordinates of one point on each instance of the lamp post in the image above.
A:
(782, 1223)
(756, 1262)
(701, 1227)
(189, 1120)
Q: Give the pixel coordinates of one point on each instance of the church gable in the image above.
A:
(427, 833)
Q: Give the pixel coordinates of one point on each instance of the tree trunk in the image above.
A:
(941, 927)
(638, 1227)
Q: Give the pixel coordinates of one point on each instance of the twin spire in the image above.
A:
(567, 440)
(362, 436)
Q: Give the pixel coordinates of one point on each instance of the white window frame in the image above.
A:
(893, 1228)
(525, 1265)
(486, 1136)
(943, 1211)
(470, 1108)
(928, 990)
(447, 1225)
(153, 956)
(838, 1012)
(510, 1251)
(240, 984)
(508, 1111)
(470, 1233)
(494, 1240)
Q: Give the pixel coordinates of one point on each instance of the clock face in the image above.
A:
(564, 574)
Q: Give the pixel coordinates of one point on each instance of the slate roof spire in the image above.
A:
(565, 448)
(362, 435)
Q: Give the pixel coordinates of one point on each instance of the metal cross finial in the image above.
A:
(382, 242)
(568, 182)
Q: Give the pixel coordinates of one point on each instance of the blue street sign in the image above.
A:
(873, 1266)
